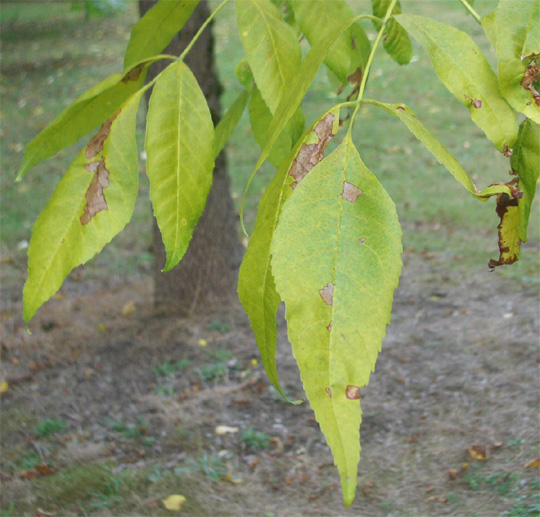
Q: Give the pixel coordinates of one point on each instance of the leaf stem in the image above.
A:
(469, 8)
(201, 29)
(370, 61)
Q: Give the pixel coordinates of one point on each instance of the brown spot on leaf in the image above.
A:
(508, 211)
(350, 192)
(352, 392)
(327, 294)
(311, 154)
(401, 108)
(329, 327)
(329, 391)
(508, 152)
(530, 77)
(477, 103)
(95, 198)
(133, 74)
(361, 240)
(95, 146)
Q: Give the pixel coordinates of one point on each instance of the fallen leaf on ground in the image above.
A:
(368, 487)
(128, 308)
(477, 452)
(174, 502)
(437, 499)
(231, 479)
(3, 387)
(42, 513)
(44, 470)
(535, 464)
(225, 429)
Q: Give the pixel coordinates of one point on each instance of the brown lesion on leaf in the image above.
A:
(508, 152)
(329, 327)
(133, 74)
(95, 197)
(95, 146)
(361, 240)
(310, 155)
(350, 192)
(530, 77)
(327, 294)
(475, 103)
(508, 211)
(329, 391)
(352, 392)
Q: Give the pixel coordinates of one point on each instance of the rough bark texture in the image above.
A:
(207, 273)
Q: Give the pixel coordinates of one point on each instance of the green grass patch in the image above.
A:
(255, 440)
(50, 426)
(171, 367)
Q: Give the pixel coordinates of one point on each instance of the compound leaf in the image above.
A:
(89, 111)
(256, 288)
(180, 157)
(271, 48)
(349, 54)
(155, 30)
(92, 203)
(336, 262)
(517, 45)
(465, 72)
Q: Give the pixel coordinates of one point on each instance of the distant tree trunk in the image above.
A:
(207, 273)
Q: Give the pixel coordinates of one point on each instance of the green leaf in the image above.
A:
(464, 70)
(242, 71)
(155, 30)
(256, 288)
(180, 150)
(89, 111)
(260, 118)
(396, 40)
(517, 45)
(229, 121)
(349, 54)
(526, 163)
(336, 262)
(293, 96)
(443, 155)
(488, 24)
(92, 203)
(271, 48)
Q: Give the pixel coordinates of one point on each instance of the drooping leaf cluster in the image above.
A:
(327, 240)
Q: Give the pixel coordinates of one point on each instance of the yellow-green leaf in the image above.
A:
(89, 111)
(349, 54)
(256, 288)
(526, 163)
(260, 118)
(229, 121)
(336, 262)
(271, 48)
(92, 203)
(396, 40)
(180, 150)
(174, 502)
(465, 72)
(517, 28)
(155, 30)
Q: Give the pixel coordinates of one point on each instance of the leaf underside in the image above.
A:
(396, 41)
(336, 262)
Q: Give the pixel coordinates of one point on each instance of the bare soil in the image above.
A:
(458, 369)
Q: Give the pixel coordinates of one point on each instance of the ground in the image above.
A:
(122, 406)
(111, 408)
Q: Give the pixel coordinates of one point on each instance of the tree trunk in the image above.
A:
(207, 273)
